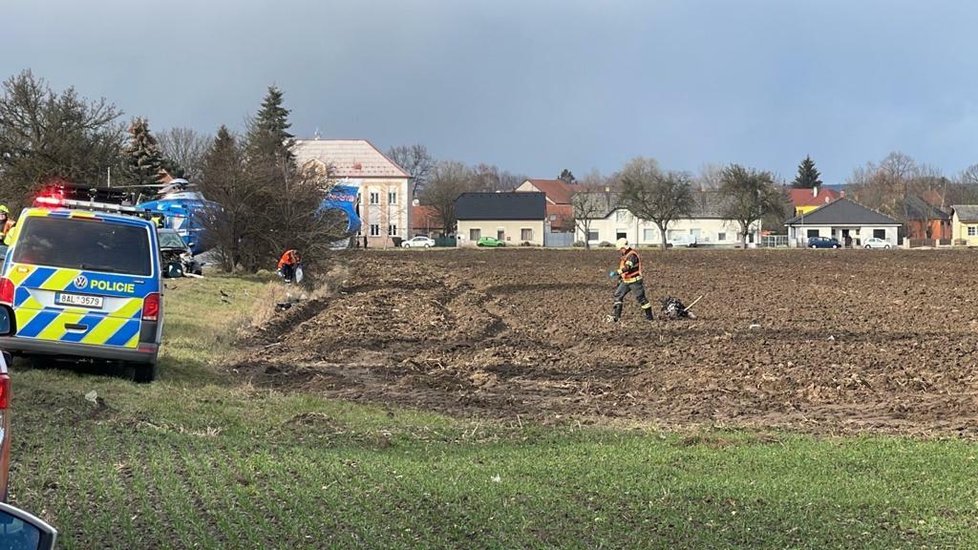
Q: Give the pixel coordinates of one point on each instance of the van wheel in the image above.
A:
(142, 373)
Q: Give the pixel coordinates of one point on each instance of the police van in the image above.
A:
(84, 281)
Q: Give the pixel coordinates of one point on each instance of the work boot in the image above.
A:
(616, 313)
(648, 314)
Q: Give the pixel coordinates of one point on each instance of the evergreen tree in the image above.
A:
(268, 141)
(287, 212)
(143, 156)
(567, 176)
(808, 176)
(222, 181)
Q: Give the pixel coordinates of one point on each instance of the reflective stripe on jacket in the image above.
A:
(630, 267)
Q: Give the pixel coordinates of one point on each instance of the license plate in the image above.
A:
(82, 300)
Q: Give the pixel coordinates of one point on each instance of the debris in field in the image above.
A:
(92, 396)
(754, 326)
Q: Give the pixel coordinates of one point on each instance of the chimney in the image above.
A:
(815, 191)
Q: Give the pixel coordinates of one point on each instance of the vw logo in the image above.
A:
(81, 281)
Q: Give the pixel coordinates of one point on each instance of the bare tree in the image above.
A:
(588, 206)
(448, 180)
(887, 186)
(50, 135)
(652, 195)
(963, 189)
(591, 200)
(509, 181)
(184, 148)
(710, 177)
(416, 161)
(750, 195)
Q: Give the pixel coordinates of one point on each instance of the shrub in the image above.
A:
(578, 244)
(605, 244)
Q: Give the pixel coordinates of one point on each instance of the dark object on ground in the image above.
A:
(282, 306)
(673, 308)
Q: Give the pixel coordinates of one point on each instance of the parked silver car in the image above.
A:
(876, 242)
(420, 241)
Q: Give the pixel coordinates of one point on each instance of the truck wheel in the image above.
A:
(142, 373)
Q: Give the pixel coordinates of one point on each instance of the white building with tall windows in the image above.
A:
(385, 188)
(706, 226)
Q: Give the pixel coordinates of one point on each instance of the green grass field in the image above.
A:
(200, 459)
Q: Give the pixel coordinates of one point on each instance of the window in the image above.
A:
(721, 237)
(649, 235)
(881, 233)
(392, 197)
(78, 244)
(621, 235)
(475, 234)
(374, 197)
(526, 234)
(375, 230)
(972, 231)
(812, 233)
(392, 229)
(592, 235)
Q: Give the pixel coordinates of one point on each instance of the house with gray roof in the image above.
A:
(706, 226)
(846, 220)
(964, 224)
(514, 217)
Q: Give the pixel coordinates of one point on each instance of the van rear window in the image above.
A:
(90, 245)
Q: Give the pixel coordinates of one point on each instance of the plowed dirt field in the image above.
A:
(819, 341)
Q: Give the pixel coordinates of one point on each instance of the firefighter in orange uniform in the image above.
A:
(287, 264)
(629, 275)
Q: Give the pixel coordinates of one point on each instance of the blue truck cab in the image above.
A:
(85, 284)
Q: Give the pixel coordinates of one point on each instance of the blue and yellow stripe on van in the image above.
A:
(118, 325)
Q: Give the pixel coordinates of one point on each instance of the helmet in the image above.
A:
(621, 244)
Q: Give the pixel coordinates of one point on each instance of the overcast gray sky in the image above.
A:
(535, 86)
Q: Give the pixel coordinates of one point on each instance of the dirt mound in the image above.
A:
(818, 341)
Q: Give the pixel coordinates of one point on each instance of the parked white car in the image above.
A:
(876, 242)
(418, 242)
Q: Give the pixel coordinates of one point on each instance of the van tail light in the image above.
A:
(151, 307)
(6, 291)
(4, 391)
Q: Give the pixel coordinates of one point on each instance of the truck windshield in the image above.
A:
(86, 244)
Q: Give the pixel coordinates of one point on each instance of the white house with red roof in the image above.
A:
(560, 209)
(385, 190)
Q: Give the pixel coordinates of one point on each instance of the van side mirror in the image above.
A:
(8, 323)
(20, 530)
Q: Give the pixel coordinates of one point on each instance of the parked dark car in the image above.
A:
(823, 242)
